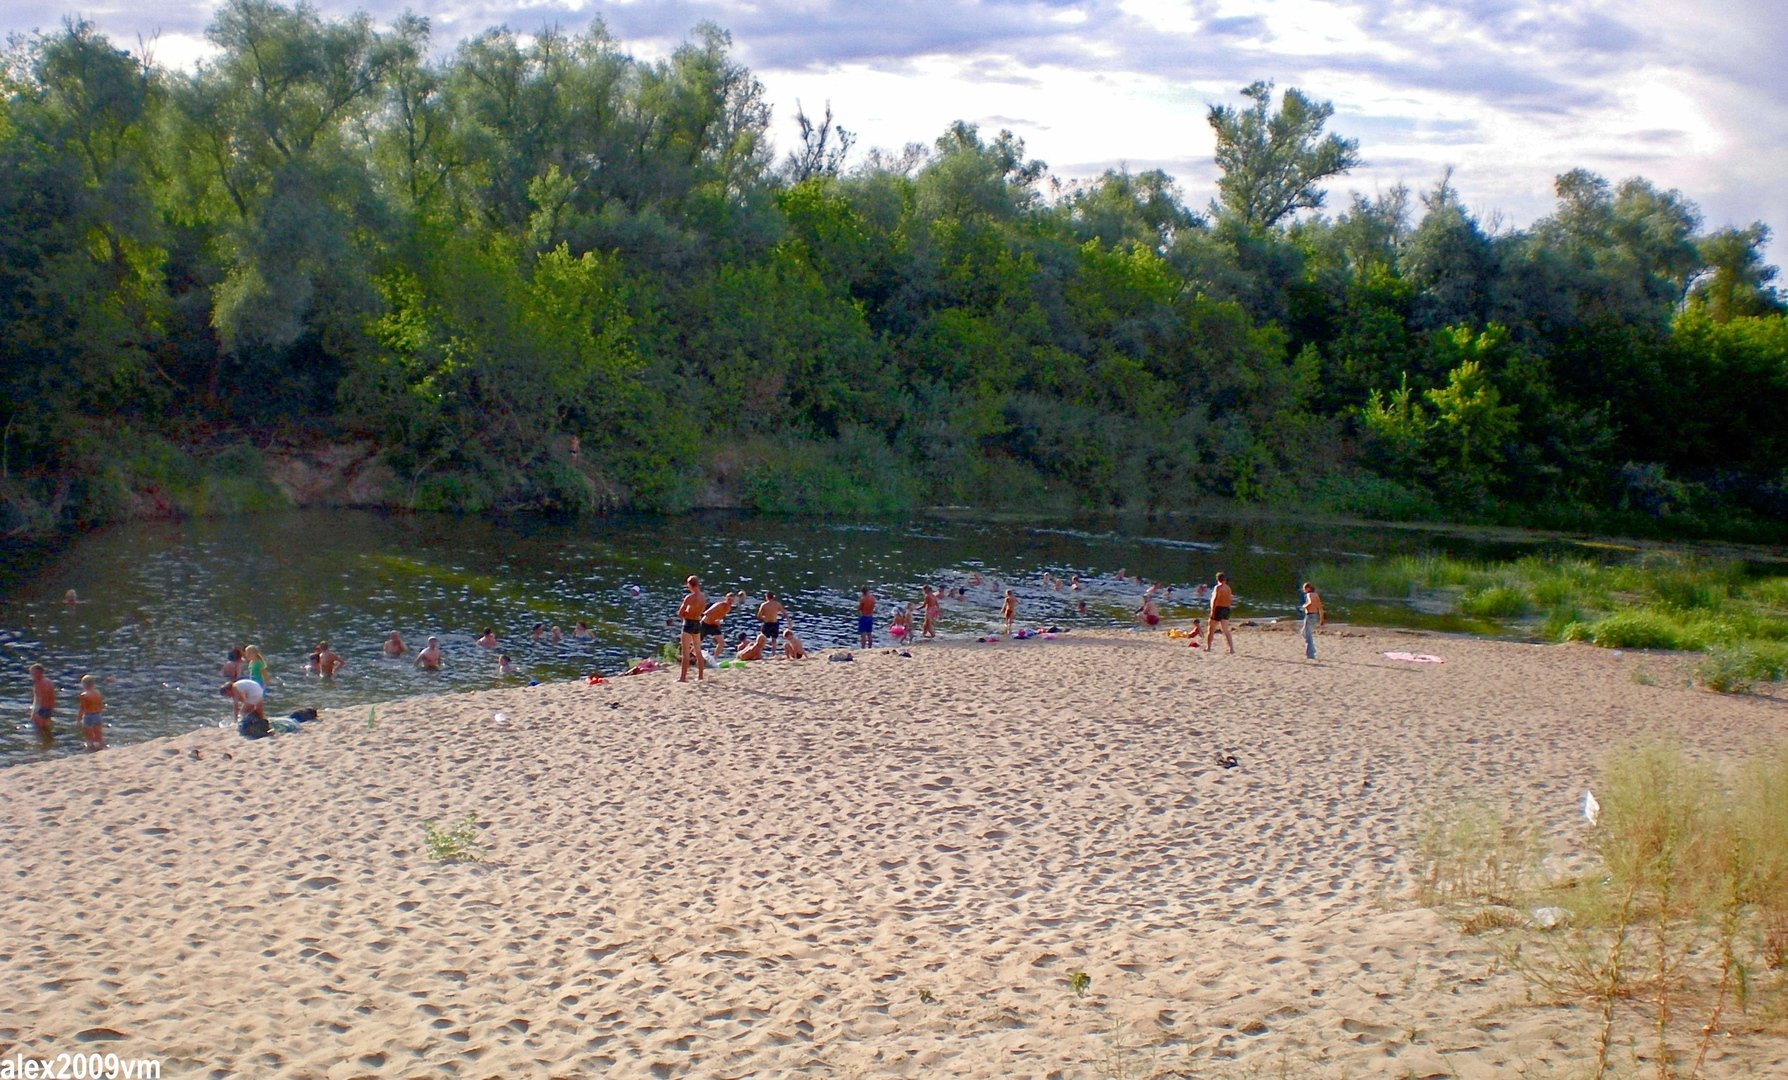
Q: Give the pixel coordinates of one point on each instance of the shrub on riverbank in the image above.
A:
(1651, 601)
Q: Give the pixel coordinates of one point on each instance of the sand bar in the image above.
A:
(889, 867)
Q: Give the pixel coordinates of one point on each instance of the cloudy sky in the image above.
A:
(1690, 94)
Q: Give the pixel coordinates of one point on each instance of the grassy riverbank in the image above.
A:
(1735, 614)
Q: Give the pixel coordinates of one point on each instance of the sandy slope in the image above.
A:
(764, 875)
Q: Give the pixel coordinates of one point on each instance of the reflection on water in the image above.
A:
(164, 601)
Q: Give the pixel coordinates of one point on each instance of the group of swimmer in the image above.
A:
(245, 668)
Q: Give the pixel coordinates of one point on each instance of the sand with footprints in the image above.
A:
(894, 866)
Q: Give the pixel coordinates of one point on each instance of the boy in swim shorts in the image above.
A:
(90, 704)
(1009, 610)
(43, 702)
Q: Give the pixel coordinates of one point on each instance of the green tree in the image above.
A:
(1272, 162)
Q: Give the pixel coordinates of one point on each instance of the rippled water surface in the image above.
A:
(164, 601)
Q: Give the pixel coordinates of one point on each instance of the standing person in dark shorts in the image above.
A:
(43, 703)
(689, 641)
(1221, 601)
(866, 619)
(769, 618)
(713, 617)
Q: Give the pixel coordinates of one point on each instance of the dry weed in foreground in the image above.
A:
(1684, 918)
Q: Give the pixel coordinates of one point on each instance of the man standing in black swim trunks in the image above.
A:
(713, 618)
(1221, 600)
(769, 619)
(689, 643)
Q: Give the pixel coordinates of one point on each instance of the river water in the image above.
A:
(162, 602)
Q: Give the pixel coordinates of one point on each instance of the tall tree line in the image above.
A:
(323, 233)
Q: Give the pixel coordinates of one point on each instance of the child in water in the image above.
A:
(91, 704)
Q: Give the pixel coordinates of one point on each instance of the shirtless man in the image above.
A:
(769, 619)
(43, 702)
(1221, 600)
(715, 615)
(753, 651)
(1009, 610)
(866, 619)
(487, 639)
(1314, 617)
(428, 658)
(328, 661)
(928, 625)
(689, 642)
(394, 645)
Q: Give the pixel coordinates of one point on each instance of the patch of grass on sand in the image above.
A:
(458, 843)
(1682, 920)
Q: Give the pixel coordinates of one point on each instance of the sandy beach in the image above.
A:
(889, 867)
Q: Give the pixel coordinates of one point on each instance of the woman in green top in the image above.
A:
(254, 665)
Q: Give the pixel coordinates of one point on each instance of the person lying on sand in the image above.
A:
(753, 651)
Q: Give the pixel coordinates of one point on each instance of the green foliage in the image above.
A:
(456, 843)
(475, 254)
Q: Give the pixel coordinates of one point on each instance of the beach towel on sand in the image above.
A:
(1414, 658)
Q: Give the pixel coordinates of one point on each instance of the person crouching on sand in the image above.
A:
(1147, 612)
(689, 642)
(91, 704)
(791, 645)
